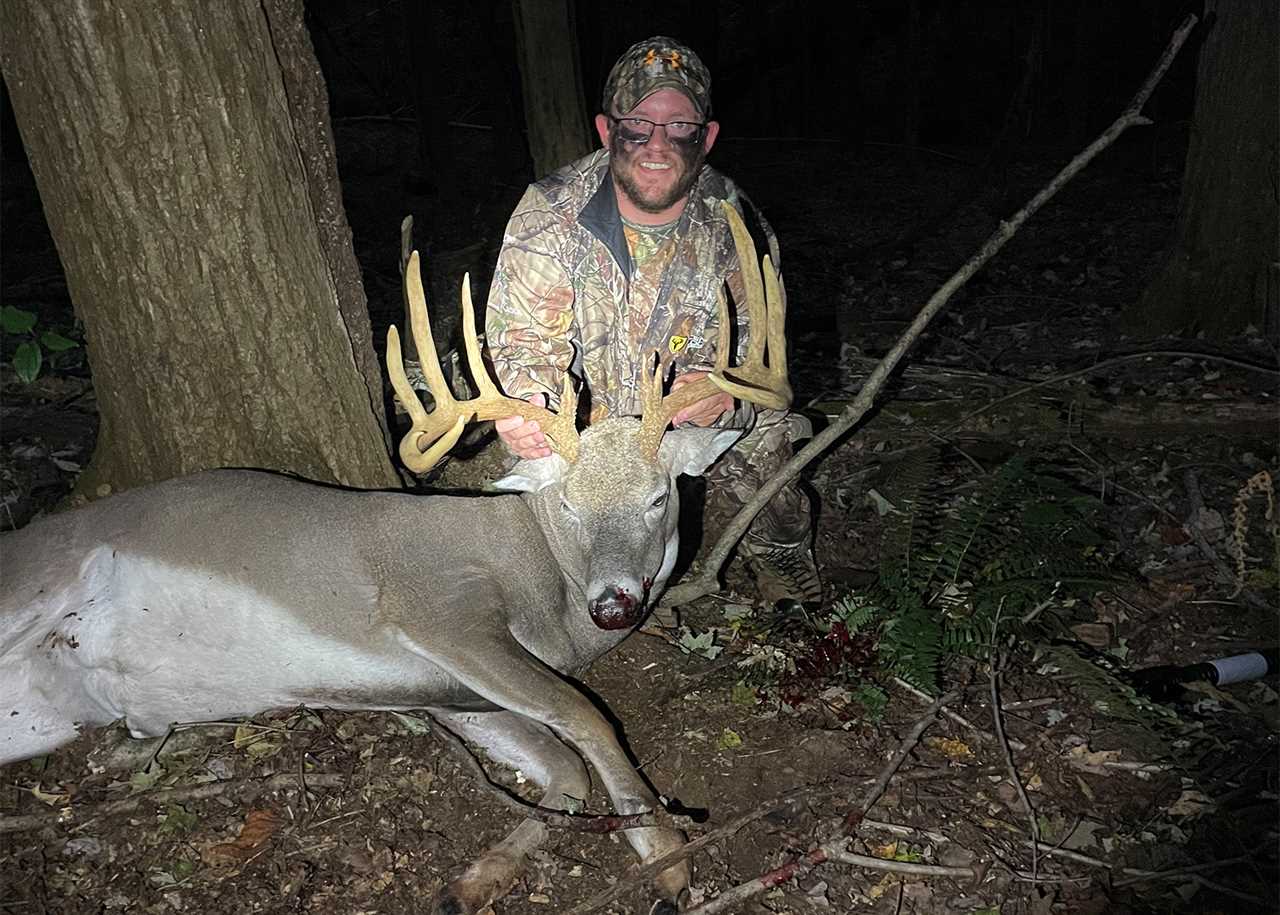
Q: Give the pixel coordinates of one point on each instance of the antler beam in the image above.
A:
(432, 434)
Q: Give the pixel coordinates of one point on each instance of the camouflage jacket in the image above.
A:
(562, 297)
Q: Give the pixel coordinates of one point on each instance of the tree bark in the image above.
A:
(1222, 271)
(183, 155)
(547, 48)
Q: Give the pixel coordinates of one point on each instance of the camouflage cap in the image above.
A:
(657, 63)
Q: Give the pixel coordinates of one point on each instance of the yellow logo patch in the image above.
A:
(677, 343)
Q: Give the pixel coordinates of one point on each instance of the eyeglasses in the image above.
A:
(640, 130)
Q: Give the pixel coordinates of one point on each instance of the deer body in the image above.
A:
(229, 593)
(155, 608)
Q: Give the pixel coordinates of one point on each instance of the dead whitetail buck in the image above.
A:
(229, 593)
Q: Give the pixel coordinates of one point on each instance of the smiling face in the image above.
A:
(652, 180)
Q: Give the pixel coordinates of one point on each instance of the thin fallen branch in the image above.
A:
(1139, 875)
(997, 717)
(1106, 364)
(903, 867)
(1175, 873)
(827, 851)
(895, 762)
(959, 719)
(644, 873)
(74, 815)
(708, 581)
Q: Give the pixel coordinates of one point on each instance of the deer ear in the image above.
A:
(692, 450)
(530, 476)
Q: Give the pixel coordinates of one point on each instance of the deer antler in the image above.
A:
(753, 381)
(433, 434)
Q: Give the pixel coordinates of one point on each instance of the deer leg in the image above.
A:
(528, 746)
(498, 668)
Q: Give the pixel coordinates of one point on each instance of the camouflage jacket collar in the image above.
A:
(600, 215)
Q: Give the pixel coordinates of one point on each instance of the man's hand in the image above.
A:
(705, 411)
(524, 437)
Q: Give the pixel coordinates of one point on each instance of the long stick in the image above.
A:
(708, 581)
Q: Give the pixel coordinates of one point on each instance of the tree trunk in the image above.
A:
(547, 48)
(185, 162)
(1221, 274)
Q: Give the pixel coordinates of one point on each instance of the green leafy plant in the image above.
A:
(959, 572)
(28, 356)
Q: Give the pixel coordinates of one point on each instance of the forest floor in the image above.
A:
(1172, 809)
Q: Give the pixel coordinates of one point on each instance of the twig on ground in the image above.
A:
(76, 814)
(902, 867)
(900, 830)
(895, 762)
(1175, 872)
(1029, 704)
(1039, 608)
(997, 718)
(1099, 366)
(708, 581)
(828, 851)
(1139, 875)
(645, 872)
(1195, 505)
(955, 716)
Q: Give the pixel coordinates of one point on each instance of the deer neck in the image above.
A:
(564, 546)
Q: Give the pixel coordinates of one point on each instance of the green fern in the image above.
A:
(957, 574)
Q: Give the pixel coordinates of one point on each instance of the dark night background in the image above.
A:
(920, 109)
(865, 130)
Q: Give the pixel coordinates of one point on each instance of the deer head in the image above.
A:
(607, 498)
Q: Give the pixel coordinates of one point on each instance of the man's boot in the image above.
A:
(783, 571)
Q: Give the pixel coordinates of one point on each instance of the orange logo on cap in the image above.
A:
(673, 58)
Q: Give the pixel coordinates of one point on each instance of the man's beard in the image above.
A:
(689, 160)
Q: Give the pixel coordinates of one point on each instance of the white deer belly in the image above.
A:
(156, 644)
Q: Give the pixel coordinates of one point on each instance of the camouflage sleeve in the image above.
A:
(529, 320)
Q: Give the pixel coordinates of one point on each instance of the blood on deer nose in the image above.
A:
(615, 609)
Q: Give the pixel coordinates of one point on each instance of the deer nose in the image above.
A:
(616, 608)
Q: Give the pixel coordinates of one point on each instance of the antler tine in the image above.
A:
(561, 426)
(432, 434)
(765, 385)
(754, 381)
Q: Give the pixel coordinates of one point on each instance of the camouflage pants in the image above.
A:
(744, 468)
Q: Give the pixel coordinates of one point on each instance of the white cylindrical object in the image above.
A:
(1239, 668)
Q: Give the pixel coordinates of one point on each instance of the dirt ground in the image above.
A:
(321, 811)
